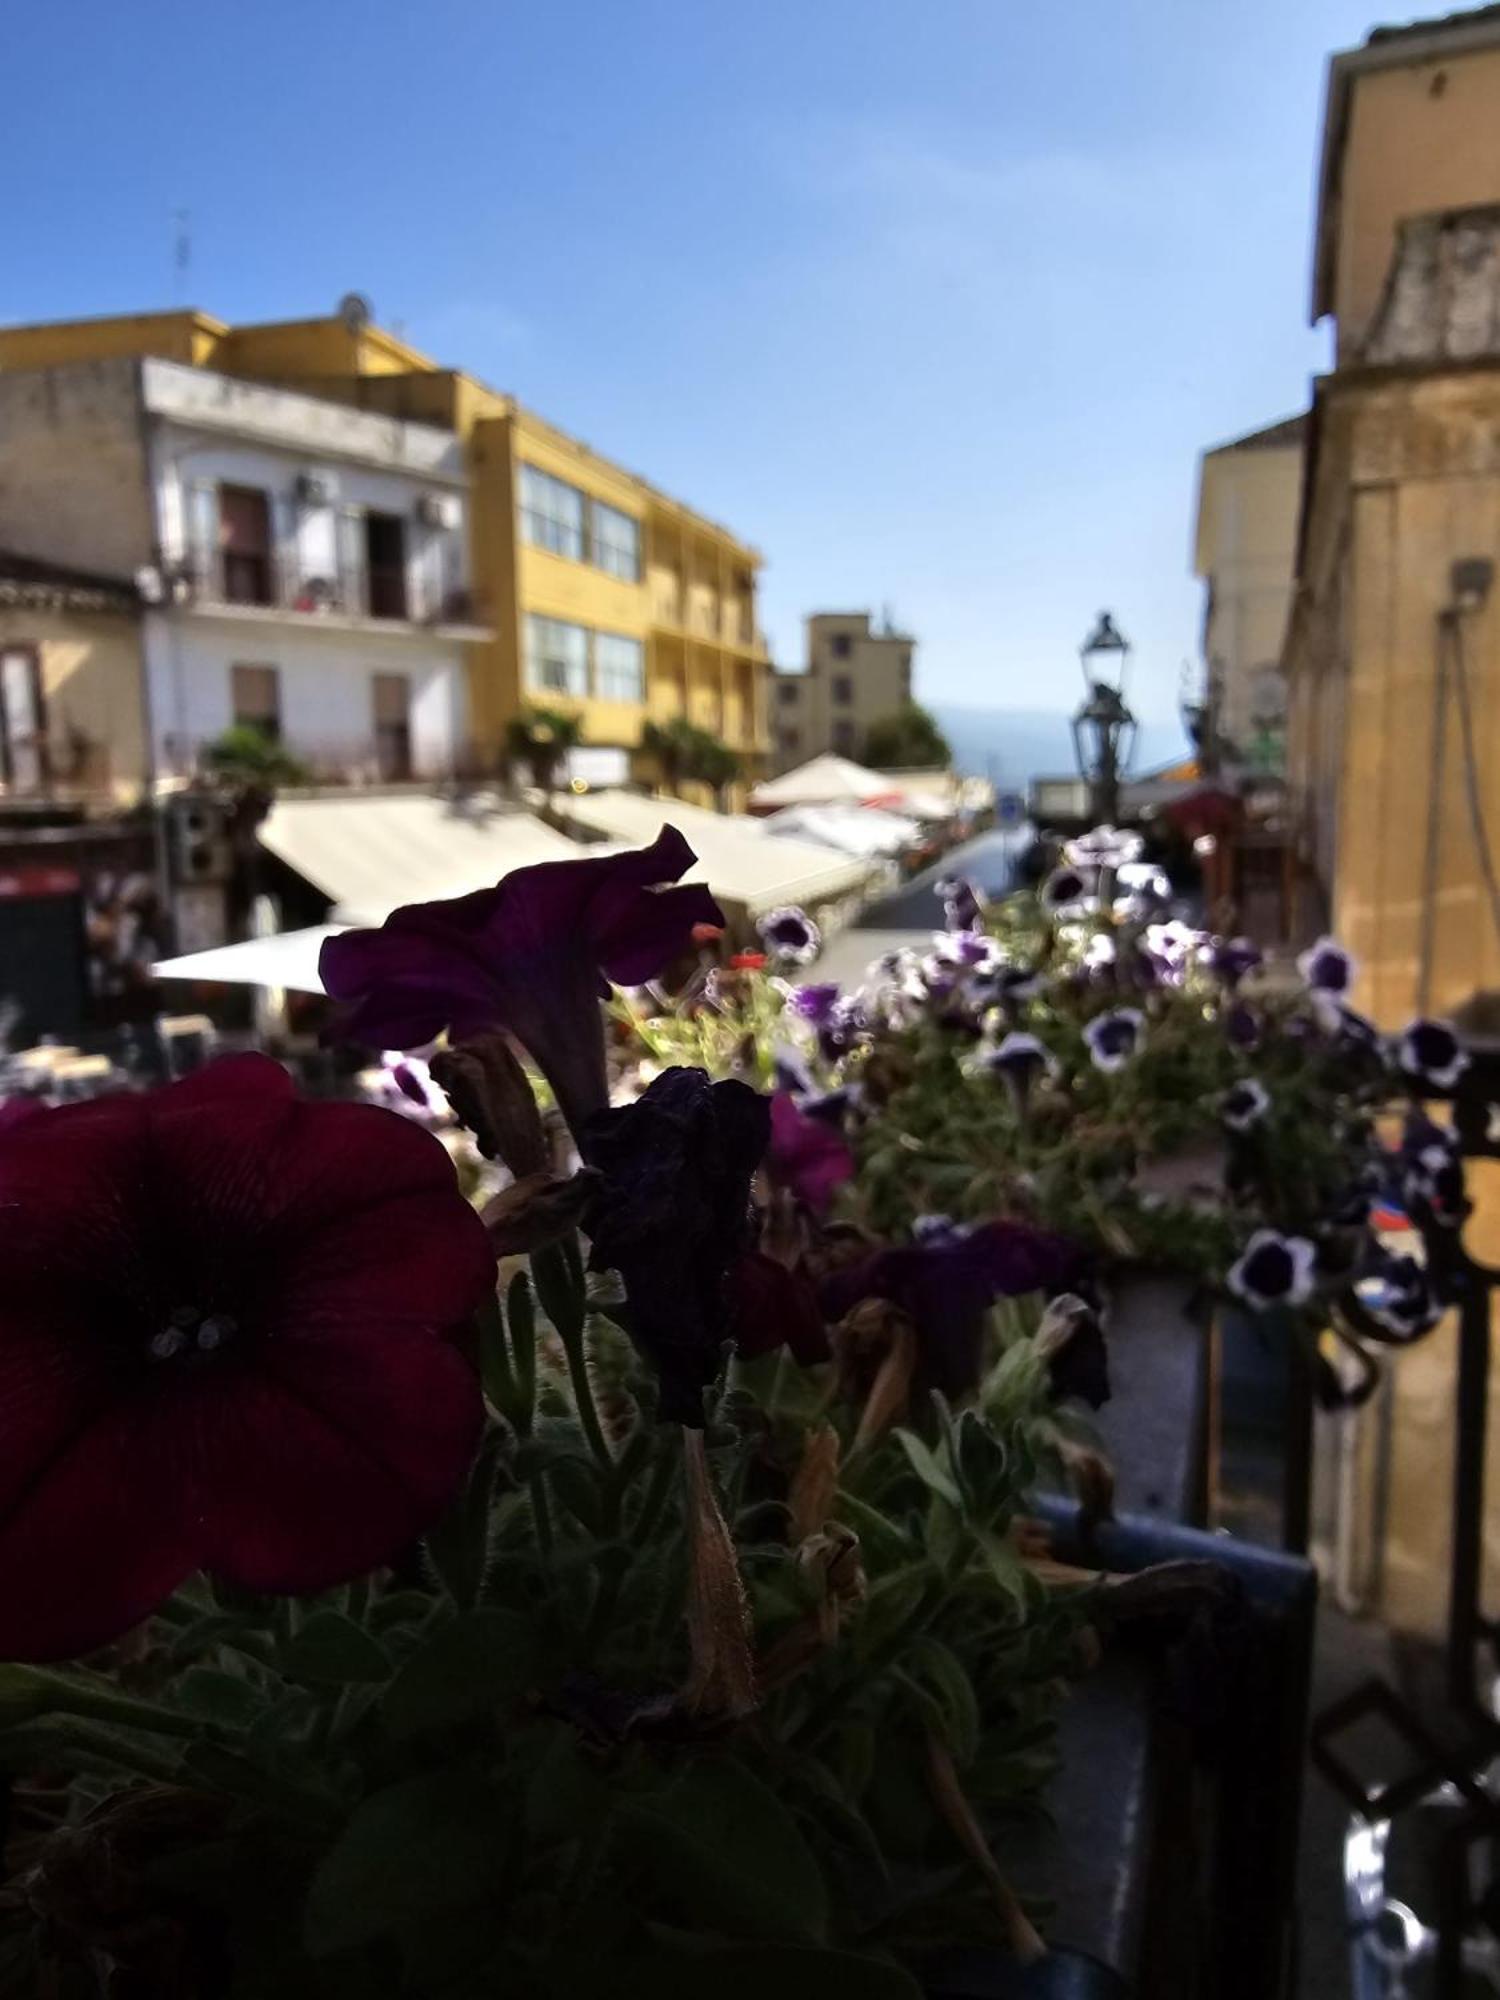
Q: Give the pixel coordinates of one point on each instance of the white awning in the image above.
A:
(738, 860)
(847, 829)
(288, 959)
(825, 780)
(371, 854)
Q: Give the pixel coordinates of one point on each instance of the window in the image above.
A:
(551, 513)
(619, 673)
(791, 739)
(843, 737)
(255, 695)
(787, 693)
(557, 656)
(385, 565)
(391, 699)
(842, 689)
(617, 542)
(840, 645)
(23, 737)
(244, 545)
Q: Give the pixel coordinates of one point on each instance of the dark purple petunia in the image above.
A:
(1432, 1052)
(1326, 967)
(1432, 1181)
(1244, 1104)
(1398, 1294)
(963, 905)
(816, 1003)
(1065, 892)
(1242, 1026)
(1275, 1270)
(946, 1286)
(1232, 959)
(672, 1214)
(1113, 1038)
(807, 1155)
(847, 1026)
(790, 935)
(228, 1341)
(531, 955)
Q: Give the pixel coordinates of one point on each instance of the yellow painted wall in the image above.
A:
(189, 337)
(1421, 137)
(290, 350)
(91, 684)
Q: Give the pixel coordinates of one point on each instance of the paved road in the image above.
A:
(990, 860)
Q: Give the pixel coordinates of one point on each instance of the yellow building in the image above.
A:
(606, 598)
(1244, 552)
(1393, 647)
(72, 693)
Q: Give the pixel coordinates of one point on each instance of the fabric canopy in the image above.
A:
(849, 829)
(826, 780)
(288, 959)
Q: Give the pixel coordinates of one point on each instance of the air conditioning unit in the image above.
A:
(316, 489)
(439, 510)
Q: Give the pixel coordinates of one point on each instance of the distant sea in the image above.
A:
(1012, 746)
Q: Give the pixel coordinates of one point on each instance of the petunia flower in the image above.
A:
(815, 1003)
(962, 900)
(1432, 1052)
(1326, 967)
(1019, 1060)
(1113, 1038)
(945, 1287)
(1232, 959)
(1066, 892)
(227, 1342)
(671, 1214)
(1274, 1270)
(772, 1306)
(790, 935)
(1242, 1026)
(1071, 1341)
(532, 955)
(1355, 1032)
(970, 950)
(1432, 1173)
(1244, 1104)
(1398, 1295)
(806, 1155)
(847, 1026)
(1104, 847)
(1008, 986)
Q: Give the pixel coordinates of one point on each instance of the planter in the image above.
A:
(1155, 1424)
(1061, 1975)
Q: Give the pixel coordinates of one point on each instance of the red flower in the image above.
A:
(806, 1154)
(224, 1344)
(748, 961)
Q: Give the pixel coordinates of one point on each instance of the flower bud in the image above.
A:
(492, 1095)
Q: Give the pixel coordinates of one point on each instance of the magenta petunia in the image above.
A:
(807, 1155)
(532, 956)
(226, 1343)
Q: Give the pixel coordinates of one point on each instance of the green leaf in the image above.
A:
(219, 1697)
(214, 1628)
(725, 1845)
(925, 1465)
(433, 1843)
(931, 1663)
(520, 1316)
(559, 1285)
(1004, 1565)
(331, 1650)
(759, 1972)
(459, 1546)
(495, 1371)
(566, 1796)
(468, 1666)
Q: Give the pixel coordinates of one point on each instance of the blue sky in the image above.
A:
(936, 303)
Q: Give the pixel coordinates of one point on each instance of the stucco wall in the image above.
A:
(1248, 508)
(327, 702)
(92, 691)
(73, 486)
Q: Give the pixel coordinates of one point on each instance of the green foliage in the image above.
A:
(245, 754)
(907, 739)
(541, 738)
(684, 753)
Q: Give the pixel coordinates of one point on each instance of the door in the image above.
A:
(391, 694)
(23, 733)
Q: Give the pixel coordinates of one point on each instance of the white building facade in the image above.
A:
(304, 565)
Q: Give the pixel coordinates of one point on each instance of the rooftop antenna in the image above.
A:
(182, 251)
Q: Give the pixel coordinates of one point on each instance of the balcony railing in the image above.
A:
(384, 593)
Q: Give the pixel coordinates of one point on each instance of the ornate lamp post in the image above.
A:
(1104, 728)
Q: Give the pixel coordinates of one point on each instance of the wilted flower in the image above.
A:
(816, 1003)
(1244, 1104)
(806, 1154)
(1070, 1340)
(790, 935)
(773, 1305)
(945, 1288)
(228, 1326)
(1326, 967)
(1105, 847)
(671, 1214)
(531, 955)
(963, 904)
(1432, 1052)
(1065, 893)
(1113, 1038)
(1275, 1270)
(1232, 959)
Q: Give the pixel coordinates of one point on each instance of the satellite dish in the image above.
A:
(356, 311)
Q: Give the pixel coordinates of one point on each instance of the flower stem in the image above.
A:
(583, 1396)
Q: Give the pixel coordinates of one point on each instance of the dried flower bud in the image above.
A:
(491, 1095)
(875, 1346)
(1070, 1340)
(537, 1210)
(814, 1483)
(722, 1677)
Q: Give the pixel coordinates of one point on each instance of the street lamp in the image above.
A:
(1104, 728)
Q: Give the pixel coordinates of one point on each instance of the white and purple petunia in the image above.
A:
(1274, 1270)
(1113, 1038)
(1346, 1024)
(1024, 1057)
(1104, 847)
(1327, 968)
(816, 1002)
(790, 935)
(1432, 1052)
(1244, 1104)
(1232, 959)
(963, 902)
(1066, 892)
